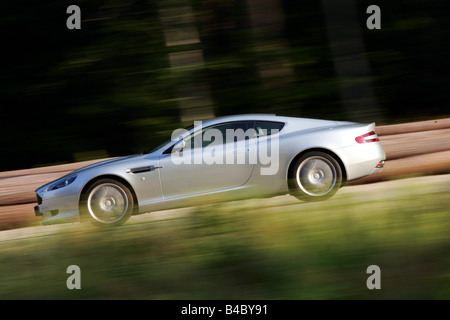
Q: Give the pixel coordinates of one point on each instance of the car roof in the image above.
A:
(256, 116)
(295, 121)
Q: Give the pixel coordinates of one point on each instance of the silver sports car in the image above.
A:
(215, 160)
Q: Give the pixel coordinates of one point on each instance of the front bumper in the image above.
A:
(38, 212)
(55, 216)
(57, 209)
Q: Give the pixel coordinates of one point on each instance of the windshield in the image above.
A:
(165, 142)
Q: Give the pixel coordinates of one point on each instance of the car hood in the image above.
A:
(91, 166)
(104, 162)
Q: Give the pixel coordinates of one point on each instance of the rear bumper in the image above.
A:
(362, 159)
(379, 167)
(380, 164)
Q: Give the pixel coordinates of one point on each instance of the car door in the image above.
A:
(202, 172)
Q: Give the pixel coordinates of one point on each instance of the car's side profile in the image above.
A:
(267, 155)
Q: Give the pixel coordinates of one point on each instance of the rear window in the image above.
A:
(266, 128)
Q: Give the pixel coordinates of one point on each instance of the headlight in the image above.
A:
(62, 183)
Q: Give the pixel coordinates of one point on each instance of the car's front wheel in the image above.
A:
(107, 202)
(315, 176)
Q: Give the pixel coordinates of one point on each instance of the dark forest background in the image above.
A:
(119, 86)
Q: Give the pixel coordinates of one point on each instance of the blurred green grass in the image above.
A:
(253, 249)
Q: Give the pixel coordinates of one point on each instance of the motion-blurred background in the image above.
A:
(136, 70)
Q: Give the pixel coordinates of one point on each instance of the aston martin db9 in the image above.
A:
(216, 160)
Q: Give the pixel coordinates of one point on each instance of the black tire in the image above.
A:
(107, 203)
(315, 176)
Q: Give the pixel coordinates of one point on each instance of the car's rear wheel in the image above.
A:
(107, 202)
(315, 176)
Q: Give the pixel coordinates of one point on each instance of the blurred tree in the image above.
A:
(180, 30)
(408, 57)
(350, 62)
(267, 22)
(229, 58)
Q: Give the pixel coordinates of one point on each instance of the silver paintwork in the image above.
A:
(168, 186)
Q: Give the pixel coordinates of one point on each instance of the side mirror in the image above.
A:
(180, 145)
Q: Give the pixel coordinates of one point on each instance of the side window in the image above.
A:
(266, 128)
(217, 135)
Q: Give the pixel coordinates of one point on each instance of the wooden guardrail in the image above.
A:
(415, 148)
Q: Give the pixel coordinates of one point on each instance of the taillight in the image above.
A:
(364, 139)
